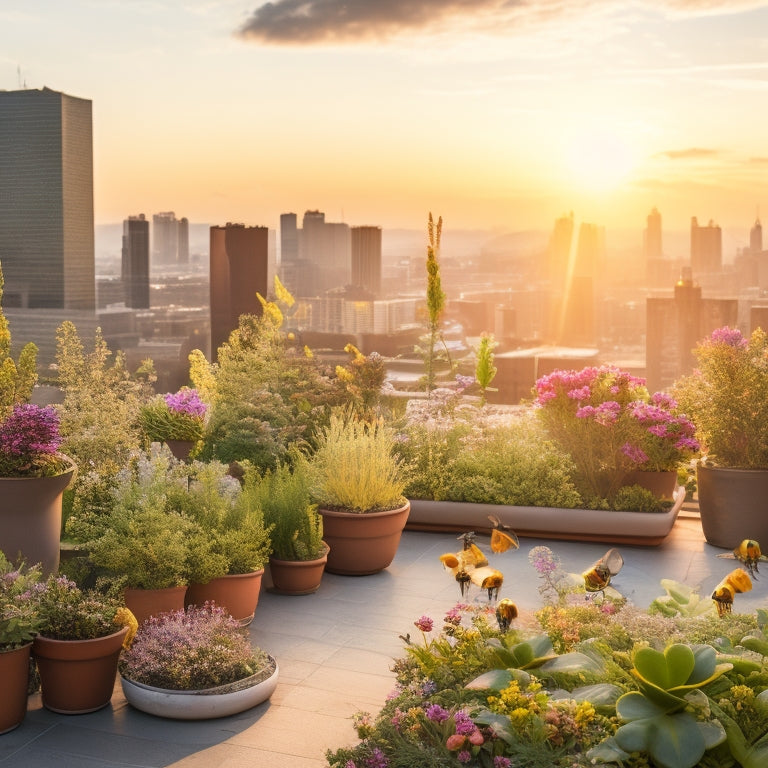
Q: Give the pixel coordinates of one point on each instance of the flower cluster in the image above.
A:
(29, 441)
(19, 616)
(187, 402)
(174, 416)
(202, 647)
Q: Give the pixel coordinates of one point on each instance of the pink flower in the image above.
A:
(476, 738)
(424, 623)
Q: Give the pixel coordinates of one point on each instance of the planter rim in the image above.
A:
(54, 641)
(70, 469)
(350, 513)
(326, 550)
(719, 468)
(15, 648)
(238, 685)
(246, 575)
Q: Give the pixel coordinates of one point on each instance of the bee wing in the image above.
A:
(501, 541)
(613, 561)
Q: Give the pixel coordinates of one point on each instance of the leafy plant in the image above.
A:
(485, 370)
(355, 467)
(727, 397)
(19, 616)
(202, 647)
(283, 495)
(174, 416)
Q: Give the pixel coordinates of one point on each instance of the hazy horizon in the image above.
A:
(496, 116)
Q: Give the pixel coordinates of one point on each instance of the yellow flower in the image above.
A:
(125, 618)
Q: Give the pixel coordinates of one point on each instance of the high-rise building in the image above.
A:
(756, 237)
(170, 239)
(706, 249)
(135, 263)
(325, 250)
(46, 200)
(239, 269)
(366, 258)
(652, 236)
(289, 239)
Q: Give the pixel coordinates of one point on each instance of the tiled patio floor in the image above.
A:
(334, 649)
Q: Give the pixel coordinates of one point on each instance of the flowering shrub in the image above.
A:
(174, 416)
(609, 424)
(29, 441)
(727, 397)
(202, 647)
(68, 612)
(19, 617)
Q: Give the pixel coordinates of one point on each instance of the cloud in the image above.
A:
(691, 153)
(308, 22)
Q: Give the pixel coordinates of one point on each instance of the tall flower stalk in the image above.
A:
(435, 300)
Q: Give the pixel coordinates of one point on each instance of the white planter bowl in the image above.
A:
(199, 705)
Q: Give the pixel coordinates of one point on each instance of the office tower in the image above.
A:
(756, 237)
(706, 248)
(676, 325)
(560, 244)
(46, 200)
(135, 265)
(239, 266)
(652, 236)
(366, 258)
(289, 239)
(170, 240)
(325, 252)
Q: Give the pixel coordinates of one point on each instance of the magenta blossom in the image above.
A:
(424, 623)
(731, 337)
(30, 429)
(186, 401)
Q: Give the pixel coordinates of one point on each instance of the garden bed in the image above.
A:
(639, 528)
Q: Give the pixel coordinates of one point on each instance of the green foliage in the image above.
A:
(682, 600)
(635, 498)
(19, 615)
(469, 456)
(17, 379)
(283, 495)
(355, 467)
(363, 377)
(485, 370)
(727, 398)
(160, 423)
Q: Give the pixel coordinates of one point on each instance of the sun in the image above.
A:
(596, 159)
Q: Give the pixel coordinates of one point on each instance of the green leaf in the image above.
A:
(635, 706)
(573, 662)
(665, 670)
(676, 741)
(758, 644)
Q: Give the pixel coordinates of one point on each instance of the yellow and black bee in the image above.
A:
(502, 536)
(506, 613)
(470, 565)
(598, 576)
(735, 582)
(749, 554)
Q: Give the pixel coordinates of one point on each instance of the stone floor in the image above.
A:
(334, 649)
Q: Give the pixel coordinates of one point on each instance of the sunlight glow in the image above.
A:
(596, 159)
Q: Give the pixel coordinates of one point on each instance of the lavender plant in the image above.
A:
(19, 616)
(202, 647)
(29, 442)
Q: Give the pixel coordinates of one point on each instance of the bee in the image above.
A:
(506, 613)
(502, 536)
(735, 582)
(748, 553)
(489, 579)
(470, 566)
(598, 576)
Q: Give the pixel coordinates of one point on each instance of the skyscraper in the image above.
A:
(652, 236)
(756, 237)
(170, 239)
(706, 248)
(239, 269)
(366, 258)
(135, 262)
(46, 200)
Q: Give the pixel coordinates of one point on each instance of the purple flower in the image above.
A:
(729, 336)
(453, 616)
(436, 713)
(424, 623)
(464, 756)
(377, 759)
(543, 560)
(633, 452)
(463, 722)
(501, 762)
(186, 401)
(29, 430)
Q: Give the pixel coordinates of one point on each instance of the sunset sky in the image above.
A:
(499, 114)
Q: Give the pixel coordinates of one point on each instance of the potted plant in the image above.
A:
(299, 553)
(727, 398)
(19, 621)
(80, 637)
(176, 419)
(195, 664)
(358, 482)
(33, 476)
(235, 535)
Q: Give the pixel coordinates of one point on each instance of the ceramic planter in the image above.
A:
(201, 705)
(14, 672)
(639, 528)
(30, 518)
(365, 543)
(77, 676)
(180, 448)
(732, 504)
(238, 593)
(297, 577)
(144, 603)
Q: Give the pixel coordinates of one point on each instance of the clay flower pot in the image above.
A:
(237, 592)
(14, 672)
(144, 603)
(297, 577)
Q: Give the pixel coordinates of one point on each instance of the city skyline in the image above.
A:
(491, 115)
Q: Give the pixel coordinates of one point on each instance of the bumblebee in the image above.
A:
(489, 579)
(735, 582)
(502, 536)
(598, 576)
(470, 565)
(748, 553)
(506, 613)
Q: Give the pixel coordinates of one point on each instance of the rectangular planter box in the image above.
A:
(639, 528)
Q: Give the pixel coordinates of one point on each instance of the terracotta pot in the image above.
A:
(237, 592)
(180, 448)
(14, 672)
(297, 577)
(661, 484)
(30, 518)
(77, 676)
(365, 543)
(732, 505)
(201, 705)
(144, 603)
